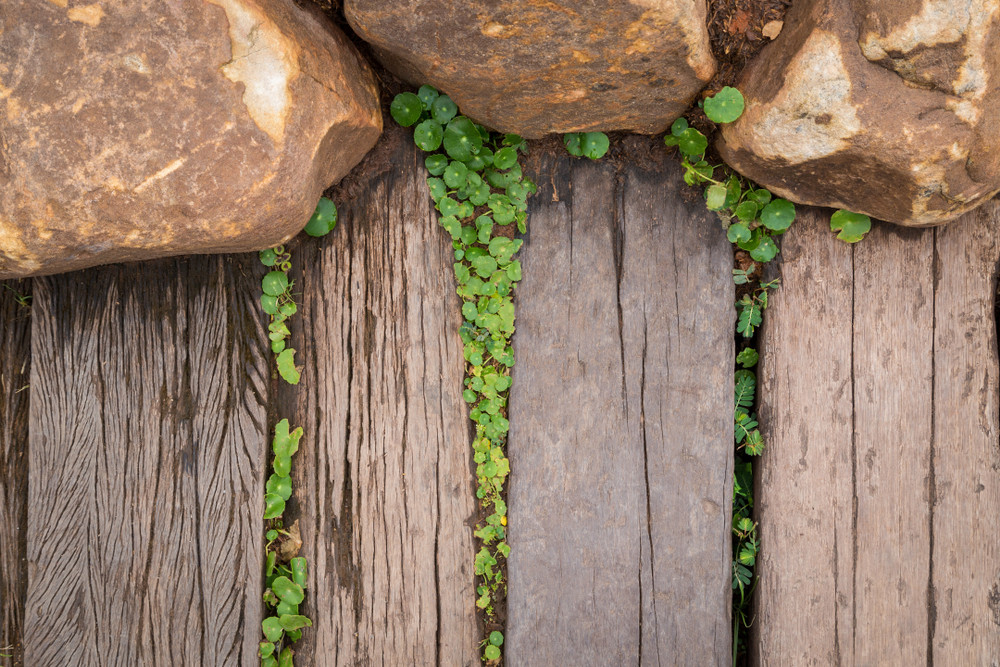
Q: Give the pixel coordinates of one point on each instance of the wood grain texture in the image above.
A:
(621, 431)
(386, 456)
(15, 369)
(880, 408)
(147, 440)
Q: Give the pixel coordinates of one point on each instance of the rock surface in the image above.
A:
(536, 66)
(889, 108)
(132, 129)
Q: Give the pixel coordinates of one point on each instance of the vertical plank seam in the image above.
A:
(931, 478)
(854, 466)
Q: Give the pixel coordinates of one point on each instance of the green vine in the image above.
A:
(285, 572)
(480, 191)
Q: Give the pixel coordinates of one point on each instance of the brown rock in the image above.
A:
(537, 66)
(132, 129)
(889, 108)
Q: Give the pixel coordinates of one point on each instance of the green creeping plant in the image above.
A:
(285, 582)
(480, 192)
(285, 575)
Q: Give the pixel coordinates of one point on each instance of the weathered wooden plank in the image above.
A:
(621, 428)
(965, 473)
(15, 359)
(146, 466)
(893, 350)
(805, 503)
(880, 404)
(384, 477)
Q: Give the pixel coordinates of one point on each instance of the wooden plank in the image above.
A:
(965, 551)
(385, 468)
(805, 502)
(15, 360)
(621, 428)
(146, 465)
(893, 351)
(880, 410)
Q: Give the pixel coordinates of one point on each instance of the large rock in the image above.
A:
(884, 107)
(538, 66)
(132, 129)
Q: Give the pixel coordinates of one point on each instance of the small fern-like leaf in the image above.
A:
(746, 385)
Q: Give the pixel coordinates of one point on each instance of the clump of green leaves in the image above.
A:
(593, 145)
(753, 217)
(277, 302)
(285, 574)
(852, 226)
(480, 191)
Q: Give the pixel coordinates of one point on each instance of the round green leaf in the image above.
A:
(573, 143)
(286, 608)
(274, 283)
(747, 211)
(715, 197)
(692, 142)
(594, 145)
(469, 311)
(281, 486)
(778, 215)
(323, 220)
(427, 136)
(765, 250)
(852, 226)
(274, 506)
(491, 653)
(268, 257)
(443, 109)
(288, 590)
(436, 164)
(294, 622)
(496, 638)
(406, 109)
(282, 465)
(455, 175)
(462, 139)
(271, 535)
(427, 95)
(738, 233)
(505, 158)
(272, 628)
(286, 366)
(679, 126)
(266, 649)
(725, 106)
(269, 304)
(286, 657)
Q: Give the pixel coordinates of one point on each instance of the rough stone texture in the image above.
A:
(885, 108)
(536, 66)
(135, 129)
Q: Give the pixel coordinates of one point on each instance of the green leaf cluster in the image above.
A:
(285, 582)
(277, 302)
(480, 191)
(593, 145)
